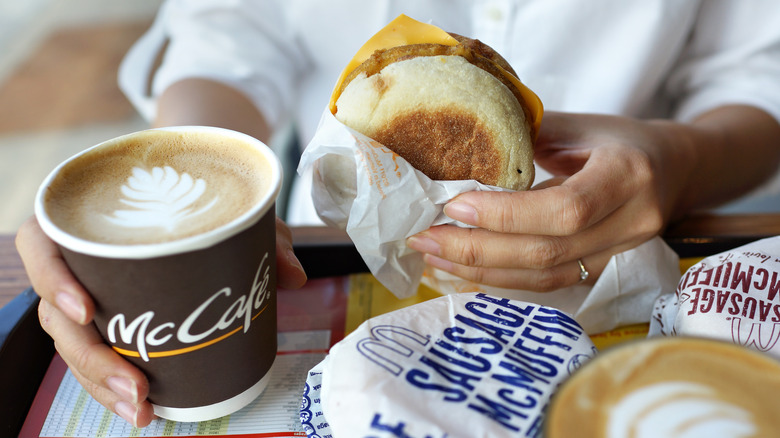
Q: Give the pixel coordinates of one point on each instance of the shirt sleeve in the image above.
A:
(733, 57)
(244, 44)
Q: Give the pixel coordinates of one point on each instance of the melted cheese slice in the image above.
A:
(404, 31)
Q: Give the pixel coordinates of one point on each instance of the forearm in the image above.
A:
(210, 103)
(720, 156)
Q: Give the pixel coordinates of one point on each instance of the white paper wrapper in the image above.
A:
(732, 296)
(381, 200)
(465, 365)
(392, 200)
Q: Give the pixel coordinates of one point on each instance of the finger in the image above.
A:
(105, 375)
(552, 182)
(477, 247)
(558, 127)
(482, 248)
(559, 146)
(137, 414)
(289, 269)
(555, 211)
(50, 276)
(537, 280)
(612, 175)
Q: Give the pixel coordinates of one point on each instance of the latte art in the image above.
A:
(157, 186)
(672, 387)
(678, 409)
(161, 198)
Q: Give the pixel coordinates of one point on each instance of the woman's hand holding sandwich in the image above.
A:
(618, 183)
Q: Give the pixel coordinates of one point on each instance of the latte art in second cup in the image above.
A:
(678, 408)
(670, 387)
(156, 187)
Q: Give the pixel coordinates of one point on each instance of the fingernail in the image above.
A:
(124, 388)
(461, 212)
(293, 260)
(127, 411)
(424, 244)
(439, 263)
(71, 306)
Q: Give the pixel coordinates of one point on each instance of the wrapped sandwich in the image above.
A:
(417, 117)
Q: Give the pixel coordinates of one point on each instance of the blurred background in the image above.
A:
(59, 93)
(58, 87)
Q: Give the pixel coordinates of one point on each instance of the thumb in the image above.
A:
(289, 269)
(560, 148)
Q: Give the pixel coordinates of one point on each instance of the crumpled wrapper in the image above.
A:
(733, 296)
(378, 198)
(466, 365)
(381, 200)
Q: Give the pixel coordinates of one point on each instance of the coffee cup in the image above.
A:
(670, 387)
(172, 231)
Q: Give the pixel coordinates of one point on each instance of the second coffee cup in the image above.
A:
(670, 387)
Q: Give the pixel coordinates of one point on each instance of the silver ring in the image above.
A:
(583, 272)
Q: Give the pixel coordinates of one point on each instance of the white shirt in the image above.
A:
(640, 58)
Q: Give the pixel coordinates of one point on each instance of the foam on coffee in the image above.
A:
(157, 186)
(670, 387)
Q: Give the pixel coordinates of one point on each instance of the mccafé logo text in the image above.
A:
(145, 332)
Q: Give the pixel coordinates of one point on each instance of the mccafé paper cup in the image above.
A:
(196, 312)
(463, 365)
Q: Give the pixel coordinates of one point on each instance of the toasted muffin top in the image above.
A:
(447, 110)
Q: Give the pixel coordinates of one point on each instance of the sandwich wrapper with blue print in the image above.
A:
(462, 365)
